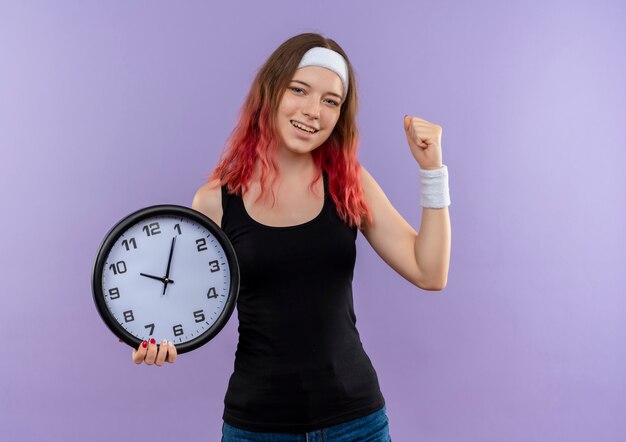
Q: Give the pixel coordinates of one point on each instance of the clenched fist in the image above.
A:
(424, 139)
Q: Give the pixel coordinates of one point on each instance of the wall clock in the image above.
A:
(166, 272)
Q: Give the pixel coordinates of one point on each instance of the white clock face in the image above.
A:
(149, 302)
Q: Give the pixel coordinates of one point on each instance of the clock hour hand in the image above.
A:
(167, 279)
(160, 278)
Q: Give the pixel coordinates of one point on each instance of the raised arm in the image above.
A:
(421, 258)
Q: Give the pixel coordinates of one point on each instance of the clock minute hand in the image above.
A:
(169, 264)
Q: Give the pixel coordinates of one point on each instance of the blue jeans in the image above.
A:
(371, 428)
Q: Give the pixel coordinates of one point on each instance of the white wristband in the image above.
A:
(434, 188)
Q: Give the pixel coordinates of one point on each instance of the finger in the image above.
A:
(407, 122)
(140, 353)
(160, 359)
(421, 136)
(171, 352)
(152, 352)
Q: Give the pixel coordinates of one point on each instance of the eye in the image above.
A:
(296, 89)
(334, 103)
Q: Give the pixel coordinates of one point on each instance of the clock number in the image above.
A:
(126, 243)
(215, 267)
(177, 227)
(201, 244)
(128, 316)
(178, 330)
(199, 315)
(152, 229)
(151, 327)
(114, 293)
(118, 267)
(212, 293)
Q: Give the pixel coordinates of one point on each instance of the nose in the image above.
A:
(312, 107)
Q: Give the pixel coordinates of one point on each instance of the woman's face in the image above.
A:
(313, 102)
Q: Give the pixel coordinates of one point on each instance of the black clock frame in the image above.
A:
(164, 210)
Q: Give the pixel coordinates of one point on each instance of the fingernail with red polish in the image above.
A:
(152, 341)
(144, 344)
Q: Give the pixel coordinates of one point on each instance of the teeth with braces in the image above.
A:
(305, 128)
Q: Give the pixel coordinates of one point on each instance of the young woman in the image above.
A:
(291, 195)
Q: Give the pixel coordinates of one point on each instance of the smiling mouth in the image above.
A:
(302, 127)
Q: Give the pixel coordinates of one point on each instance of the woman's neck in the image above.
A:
(293, 164)
(293, 167)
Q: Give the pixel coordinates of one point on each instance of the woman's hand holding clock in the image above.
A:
(147, 352)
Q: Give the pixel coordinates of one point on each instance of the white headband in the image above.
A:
(329, 59)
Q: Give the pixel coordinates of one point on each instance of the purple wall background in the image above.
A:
(106, 107)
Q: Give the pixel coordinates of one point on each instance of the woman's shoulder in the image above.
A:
(208, 200)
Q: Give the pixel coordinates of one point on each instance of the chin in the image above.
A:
(302, 150)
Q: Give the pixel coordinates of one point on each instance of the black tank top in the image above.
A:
(299, 364)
